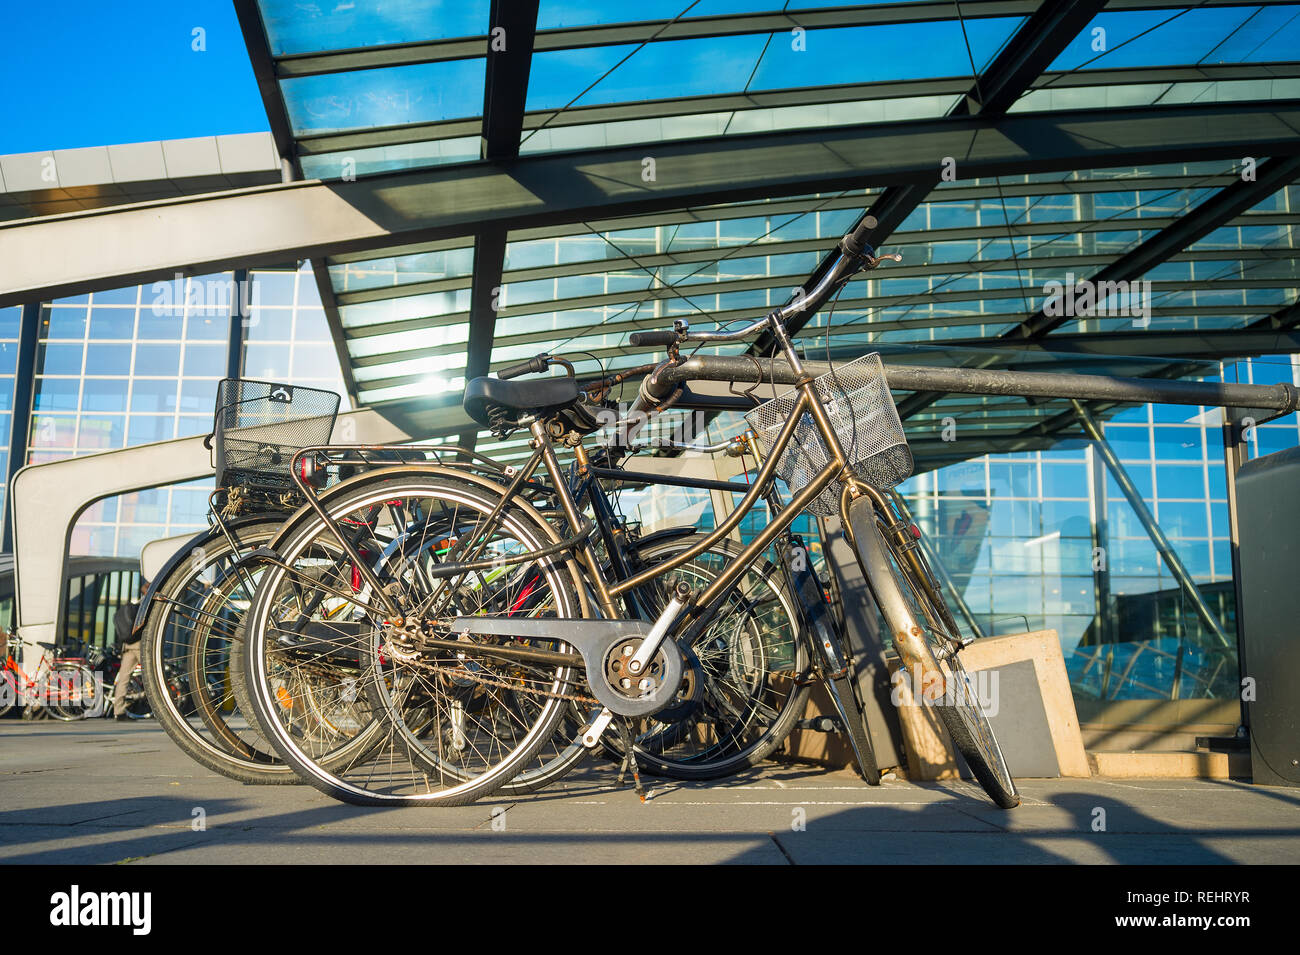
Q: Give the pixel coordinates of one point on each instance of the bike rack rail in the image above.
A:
(1281, 398)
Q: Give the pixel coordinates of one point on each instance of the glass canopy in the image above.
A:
(391, 86)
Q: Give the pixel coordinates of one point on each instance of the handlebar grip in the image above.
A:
(533, 366)
(855, 242)
(652, 338)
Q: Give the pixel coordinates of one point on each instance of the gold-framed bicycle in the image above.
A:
(487, 620)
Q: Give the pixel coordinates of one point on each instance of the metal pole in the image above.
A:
(1234, 456)
(242, 295)
(981, 381)
(1101, 544)
(1148, 520)
(20, 420)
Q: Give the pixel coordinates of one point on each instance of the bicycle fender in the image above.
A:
(909, 638)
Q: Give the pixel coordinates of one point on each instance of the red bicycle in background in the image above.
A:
(63, 686)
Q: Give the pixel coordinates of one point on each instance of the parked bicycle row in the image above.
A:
(430, 626)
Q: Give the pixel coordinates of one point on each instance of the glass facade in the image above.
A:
(1048, 539)
(141, 364)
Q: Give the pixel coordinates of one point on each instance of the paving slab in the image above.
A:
(103, 792)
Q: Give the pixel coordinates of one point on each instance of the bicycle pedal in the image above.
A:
(820, 724)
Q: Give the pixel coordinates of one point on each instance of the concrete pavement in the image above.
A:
(102, 792)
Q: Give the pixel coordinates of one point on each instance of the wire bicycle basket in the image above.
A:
(260, 425)
(862, 412)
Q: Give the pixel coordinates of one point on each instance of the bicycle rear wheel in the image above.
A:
(73, 691)
(746, 673)
(904, 589)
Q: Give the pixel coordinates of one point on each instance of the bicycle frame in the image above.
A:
(687, 614)
(807, 402)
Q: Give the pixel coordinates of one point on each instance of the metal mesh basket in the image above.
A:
(261, 425)
(861, 410)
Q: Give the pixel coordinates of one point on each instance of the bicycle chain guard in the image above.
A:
(603, 645)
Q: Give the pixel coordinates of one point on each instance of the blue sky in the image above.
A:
(93, 73)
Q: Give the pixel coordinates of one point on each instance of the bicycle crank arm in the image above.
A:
(592, 733)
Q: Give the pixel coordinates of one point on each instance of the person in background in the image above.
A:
(129, 642)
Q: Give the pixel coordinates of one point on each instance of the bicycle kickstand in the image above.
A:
(629, 759)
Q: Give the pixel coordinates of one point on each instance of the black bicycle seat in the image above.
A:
(47, 646)
(536, 396)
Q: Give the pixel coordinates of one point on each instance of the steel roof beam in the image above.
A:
(1038, 41)
(1215, 211)
(505, 90)
(77, 252)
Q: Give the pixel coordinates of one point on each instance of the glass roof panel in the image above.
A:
(393, 96)
(428, 387)
(297, 27)
(402, 269)
(733, 123)
(556, 14)
(1235, 34)
(411, 366)
(826, 57)
(410, 340)
(361, 162)
(406, 307)
(1149, 94)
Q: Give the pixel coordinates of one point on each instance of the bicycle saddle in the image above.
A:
(496, 403)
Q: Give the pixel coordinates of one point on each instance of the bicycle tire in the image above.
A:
(964, 718)
(67, 699)
(391, 776)
(832, 653)
(843, 692)
(8, 693)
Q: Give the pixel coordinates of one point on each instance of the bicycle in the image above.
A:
(503, 610)
(63, 686)
(733, 712)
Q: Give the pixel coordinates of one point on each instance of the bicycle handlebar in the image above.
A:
(534, 366)
(653, 338)
(855, 242)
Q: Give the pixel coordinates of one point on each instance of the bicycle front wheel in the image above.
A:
(456, 722)
(907, 596)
